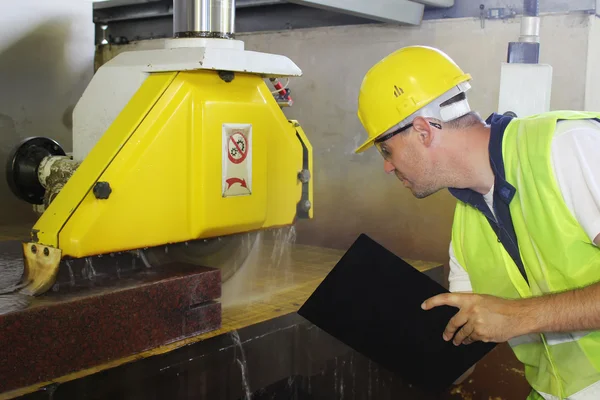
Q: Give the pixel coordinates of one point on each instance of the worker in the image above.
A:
(524, 261)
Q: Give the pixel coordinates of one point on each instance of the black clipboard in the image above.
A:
(371, 301)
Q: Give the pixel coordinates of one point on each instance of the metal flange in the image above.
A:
(22, 167)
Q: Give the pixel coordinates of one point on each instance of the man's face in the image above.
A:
(409, 156)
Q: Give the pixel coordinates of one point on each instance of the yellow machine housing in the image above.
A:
(167, 161)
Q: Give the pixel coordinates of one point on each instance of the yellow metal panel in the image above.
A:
(46, 230)
(166, 180)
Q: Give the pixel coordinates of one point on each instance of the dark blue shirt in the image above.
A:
(503, 193)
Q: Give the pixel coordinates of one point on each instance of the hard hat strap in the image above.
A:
(437, 110)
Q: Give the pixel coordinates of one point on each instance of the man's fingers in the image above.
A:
(454, 324)
(464, 333)
(476, 338)
(449, 299)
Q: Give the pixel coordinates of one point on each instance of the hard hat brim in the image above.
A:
(370, 141)
(365, 146)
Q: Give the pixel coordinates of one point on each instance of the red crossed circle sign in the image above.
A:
(237, 148)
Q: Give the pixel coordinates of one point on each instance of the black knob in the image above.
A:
(227, 76)
(102, 190)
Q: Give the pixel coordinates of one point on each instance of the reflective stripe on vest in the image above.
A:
(589, 393)
(556, 252)
(551, 338)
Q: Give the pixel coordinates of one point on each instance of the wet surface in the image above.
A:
(11, 271)
(352, 376)
(499, 376)
(14, 302)
(284, 358)
(11, 266)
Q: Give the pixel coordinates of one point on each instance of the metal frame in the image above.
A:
(99, 4)
(401, 11)
(437, 3)
(152, 19)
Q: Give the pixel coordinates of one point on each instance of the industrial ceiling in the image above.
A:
(397, 11)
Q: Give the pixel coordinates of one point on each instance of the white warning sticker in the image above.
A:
(237, 160)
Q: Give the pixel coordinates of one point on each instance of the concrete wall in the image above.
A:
(352, 193)
(46, 61)
(592, 88)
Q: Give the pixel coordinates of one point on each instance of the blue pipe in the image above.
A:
(531, 8)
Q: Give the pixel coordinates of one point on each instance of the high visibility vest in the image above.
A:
(555, 250)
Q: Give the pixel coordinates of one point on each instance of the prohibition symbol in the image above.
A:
(237, 148)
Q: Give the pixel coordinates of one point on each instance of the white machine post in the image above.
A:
(525, 84)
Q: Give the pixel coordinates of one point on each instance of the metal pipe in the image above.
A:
(527, 49)
(531, 8)
(530, 29)
(530, 23)
(204, 18)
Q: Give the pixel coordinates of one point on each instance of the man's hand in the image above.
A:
(481, 317)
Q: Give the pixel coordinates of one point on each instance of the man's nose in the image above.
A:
(388, 167)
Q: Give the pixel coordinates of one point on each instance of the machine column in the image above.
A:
(204, 18)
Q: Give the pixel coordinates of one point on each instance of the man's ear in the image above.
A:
(424, 130)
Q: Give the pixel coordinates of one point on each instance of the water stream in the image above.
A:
(281, 255)
(241, 361)
(71, 275)
(88, 271)
(265, 270)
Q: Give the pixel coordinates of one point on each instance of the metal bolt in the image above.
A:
(46, 252)
(305, 205)
(102, 190)
(227, 76)
(304, 176)
(33, 249)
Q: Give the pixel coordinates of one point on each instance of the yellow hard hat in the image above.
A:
(414, 80)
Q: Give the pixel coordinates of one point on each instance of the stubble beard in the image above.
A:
(421, 194)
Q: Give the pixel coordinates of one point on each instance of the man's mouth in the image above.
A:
(402, 179)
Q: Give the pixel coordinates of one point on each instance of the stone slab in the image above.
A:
(65, 331)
